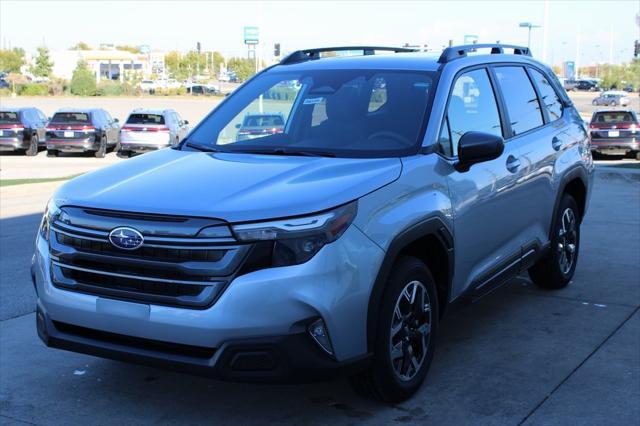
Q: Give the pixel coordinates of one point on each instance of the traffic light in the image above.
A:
(276, 49)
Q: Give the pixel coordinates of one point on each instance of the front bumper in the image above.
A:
(263, 316)
(13, 144)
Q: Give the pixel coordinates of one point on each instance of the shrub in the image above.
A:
(36, 89)
(83, 82)
(110, 88)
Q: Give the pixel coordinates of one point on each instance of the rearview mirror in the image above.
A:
(477, 147)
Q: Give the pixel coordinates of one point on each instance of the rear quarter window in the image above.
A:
(548, 96)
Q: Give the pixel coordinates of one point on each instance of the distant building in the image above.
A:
(109, 64)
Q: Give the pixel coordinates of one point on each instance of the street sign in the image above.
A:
(251, 35)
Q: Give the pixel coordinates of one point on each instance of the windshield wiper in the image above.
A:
(199, 147)
(282, 151)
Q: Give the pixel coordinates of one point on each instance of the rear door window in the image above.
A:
(472, 107)
(521, 101)
(548, 95)
(9, 117)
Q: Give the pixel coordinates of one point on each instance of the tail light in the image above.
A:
(145, 129)
(63, 127)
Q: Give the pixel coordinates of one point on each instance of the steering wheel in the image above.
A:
(385, 134)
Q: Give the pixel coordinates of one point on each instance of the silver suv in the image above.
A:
(399, 185)
(151, 129)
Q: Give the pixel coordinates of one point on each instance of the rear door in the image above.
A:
(538, 140)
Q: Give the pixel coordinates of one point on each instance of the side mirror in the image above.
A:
(238, 126)
(185, 122)
(477, 147)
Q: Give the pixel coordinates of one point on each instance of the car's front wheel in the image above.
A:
(556, 269)
(405, 335)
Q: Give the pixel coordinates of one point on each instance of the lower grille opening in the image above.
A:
(136, 342)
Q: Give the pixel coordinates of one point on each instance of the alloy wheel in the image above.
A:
(410, 330)
(567, 241)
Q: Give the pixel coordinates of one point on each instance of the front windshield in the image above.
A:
(348, 113)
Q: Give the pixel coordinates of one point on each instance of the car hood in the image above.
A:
(232, 187)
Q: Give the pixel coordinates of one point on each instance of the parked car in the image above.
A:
(567, 84)
(615, 132)
(335, 246)
(259, 125)
(22, 129)
(82, 130)
(628, 88)
(201, 89)
(612, 98)
(4, 84)
(151, 129)
(148, 86)
(586, 85)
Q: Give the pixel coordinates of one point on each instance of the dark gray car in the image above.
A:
(22, 129)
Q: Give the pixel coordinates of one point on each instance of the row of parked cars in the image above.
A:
(90, 130)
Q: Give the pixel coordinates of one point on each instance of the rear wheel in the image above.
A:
(405, 335)
(556, 269)
(102, 150)
(594, 103)
(638, 156)
(33, 146)
(52, 152)
(613, 103)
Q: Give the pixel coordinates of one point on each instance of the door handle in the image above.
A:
(556, 143)
(512, 164)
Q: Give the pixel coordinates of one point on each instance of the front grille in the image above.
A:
(173, 267)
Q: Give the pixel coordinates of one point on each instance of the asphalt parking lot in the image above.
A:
(520, 356)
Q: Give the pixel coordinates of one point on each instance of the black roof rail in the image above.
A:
(313, 54)
(454, 52)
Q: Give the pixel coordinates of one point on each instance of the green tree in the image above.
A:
(243, 67)
(43, 64)
(81, 45)
(126, 47)
(11, 60)
(83, 82)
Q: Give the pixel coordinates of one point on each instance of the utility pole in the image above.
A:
(545, 31)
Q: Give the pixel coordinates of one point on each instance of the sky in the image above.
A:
(590, 30)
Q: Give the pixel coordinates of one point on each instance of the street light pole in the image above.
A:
(529, 26)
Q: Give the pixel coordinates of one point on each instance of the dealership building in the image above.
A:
(109, 64)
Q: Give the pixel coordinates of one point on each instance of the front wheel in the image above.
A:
(556, 269)
(594, 103)
(405, 334)
(613, 103)
(33, 146)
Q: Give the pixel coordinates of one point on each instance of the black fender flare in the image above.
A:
(578, 172)
(433, 226)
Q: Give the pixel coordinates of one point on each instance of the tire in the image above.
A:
(33, 147)
(638, 156)
(102, 150)
(418, 329)
(116, 147)
(52, 153)
(124, 154)
(552, 271)
(613, 103)
(594, 103)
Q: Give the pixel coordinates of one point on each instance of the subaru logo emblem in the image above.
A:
(126, 238)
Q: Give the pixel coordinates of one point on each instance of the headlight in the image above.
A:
(297, 240)
(51, 212)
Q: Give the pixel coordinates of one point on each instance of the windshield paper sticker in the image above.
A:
(313, 101)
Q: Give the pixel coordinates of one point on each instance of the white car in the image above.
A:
(147, 86)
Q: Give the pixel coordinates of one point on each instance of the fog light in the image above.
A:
(318, 331)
